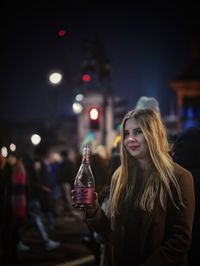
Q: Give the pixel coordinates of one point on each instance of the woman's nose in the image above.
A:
(131, 138)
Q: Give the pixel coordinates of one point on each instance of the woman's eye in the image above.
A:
(137, 131)
(125, 134)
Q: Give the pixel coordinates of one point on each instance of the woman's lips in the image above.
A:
(133, 147)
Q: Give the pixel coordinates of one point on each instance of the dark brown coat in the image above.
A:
(165, 237)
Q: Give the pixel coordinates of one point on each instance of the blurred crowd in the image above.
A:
(35, 189)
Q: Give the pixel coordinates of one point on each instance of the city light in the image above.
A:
(86, 77)
(94, 114)
(35, 139)
(61, 33)
(12, 147)
(79, 97)
(77, 108)
(55, 78)
(4, 152)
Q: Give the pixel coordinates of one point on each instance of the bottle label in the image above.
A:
(84, 195)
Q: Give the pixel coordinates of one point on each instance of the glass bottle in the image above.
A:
(84, 184)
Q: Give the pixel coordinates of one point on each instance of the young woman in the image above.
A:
(151, 206)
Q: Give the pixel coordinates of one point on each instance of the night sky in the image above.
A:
(147, 42)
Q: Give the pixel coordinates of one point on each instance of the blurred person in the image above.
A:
(113, 163)
(186, 152)
(44, 184)
(65, 178)
(53, 164)
(14, 206)
(145, 102)
(100, 170)
(34, 206)
(2, 165)
(102, 151)
(151, 205)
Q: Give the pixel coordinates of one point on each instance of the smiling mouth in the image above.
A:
(133, 148)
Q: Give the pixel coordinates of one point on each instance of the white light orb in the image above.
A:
(35, 139)
(55, 78)
(79, 97)
(77, 108)
(4, 152)
(12, 147)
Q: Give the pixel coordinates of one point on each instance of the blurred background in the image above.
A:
(70, 70)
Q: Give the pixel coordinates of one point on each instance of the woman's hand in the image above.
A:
(92, 208)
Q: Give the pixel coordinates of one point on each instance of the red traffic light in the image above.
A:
(61, 33)
(86, 78)
(94, 113)
(94, 118)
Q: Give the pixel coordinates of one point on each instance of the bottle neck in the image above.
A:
(86, 156)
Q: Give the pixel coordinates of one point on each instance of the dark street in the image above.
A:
(72, 251)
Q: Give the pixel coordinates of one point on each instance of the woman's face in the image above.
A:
(134, 140)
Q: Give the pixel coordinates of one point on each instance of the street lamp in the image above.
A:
(35, 139)
(12, 147)
(55, 78)
(77, 107)
(79, 97)
(4, 151)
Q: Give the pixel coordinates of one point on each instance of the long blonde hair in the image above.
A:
(162, 173)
